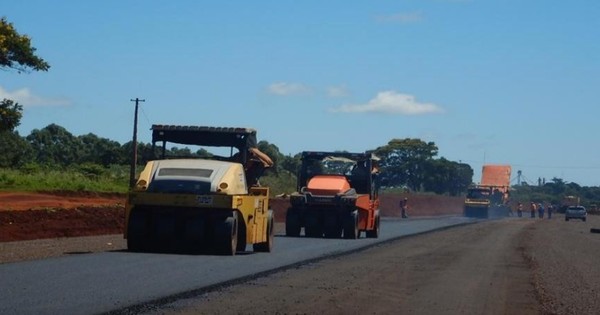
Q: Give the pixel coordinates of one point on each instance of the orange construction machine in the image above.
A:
(490, 198)
(337, 196)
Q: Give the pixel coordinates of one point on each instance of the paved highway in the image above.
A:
(121, 282)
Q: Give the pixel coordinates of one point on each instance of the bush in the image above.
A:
(282, 183)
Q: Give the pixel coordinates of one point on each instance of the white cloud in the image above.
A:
(337, 91)
(282, 88)
(391, 102)
(403, 18)
(27, 99)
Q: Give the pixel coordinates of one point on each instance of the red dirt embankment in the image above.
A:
(28, 216)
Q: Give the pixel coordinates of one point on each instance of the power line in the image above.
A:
(145, 116)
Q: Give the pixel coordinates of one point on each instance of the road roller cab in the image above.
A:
(212, 204)
(337, 196)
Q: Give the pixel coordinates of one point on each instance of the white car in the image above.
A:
(576, 212)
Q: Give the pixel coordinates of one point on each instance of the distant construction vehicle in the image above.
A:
(568, 201)
(337, 196)
(491, 197)
(201, 204)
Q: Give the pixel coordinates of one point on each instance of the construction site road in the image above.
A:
(124, 282)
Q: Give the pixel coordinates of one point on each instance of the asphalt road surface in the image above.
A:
(123, 282)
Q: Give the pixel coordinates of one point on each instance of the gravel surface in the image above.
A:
(56, 247)
(565, 259)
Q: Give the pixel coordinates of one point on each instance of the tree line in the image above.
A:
(408, 163)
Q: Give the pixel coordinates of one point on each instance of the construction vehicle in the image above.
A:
(209, 204)
(337, 196)
(490, 198)
(568, 201)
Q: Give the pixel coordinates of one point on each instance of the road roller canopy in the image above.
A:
(240, 138)
(360, 168)
(243, 139)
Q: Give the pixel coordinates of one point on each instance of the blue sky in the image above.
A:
(506, 82)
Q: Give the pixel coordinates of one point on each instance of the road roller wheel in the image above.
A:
(332, 227)
(268, 245)
(374, 233)
(312, 227)
(292, 223)
(137, 232)
(226, 236)
(351, 225)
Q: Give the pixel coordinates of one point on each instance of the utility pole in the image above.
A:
(134, 153)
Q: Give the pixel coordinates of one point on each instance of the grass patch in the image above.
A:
(95, 178)
(44, 179)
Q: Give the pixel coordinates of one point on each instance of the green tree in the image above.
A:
(272, 151)
(403, 161)
(184, 152)
(447, 177)
(16, 51)
(144, 153)
(16, 151)
(10, 115)
(98, 150)
(291, 163)
(55, 145)
(203, 153)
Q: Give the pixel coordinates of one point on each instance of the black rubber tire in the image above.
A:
(332, 227)
(374, 233)
(351, 226)
(584, 219)
(292, 223)
(194, 233)
(164, 232)
(137, 232)
(594, 230)
(267, 247)
(241, 234)
(312, 227)
(226, 236)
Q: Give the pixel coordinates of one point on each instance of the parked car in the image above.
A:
(576, 212)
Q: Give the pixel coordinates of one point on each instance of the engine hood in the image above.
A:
(195, 176)
(327, 185)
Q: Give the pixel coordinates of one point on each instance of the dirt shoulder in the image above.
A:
(20, 201)
(565, 260)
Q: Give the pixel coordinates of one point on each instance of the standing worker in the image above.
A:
(550, 208)
(540, 210)
(404, 208)
(520, 209)
(532, 207)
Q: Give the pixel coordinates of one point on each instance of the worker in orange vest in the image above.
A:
(404, 208)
